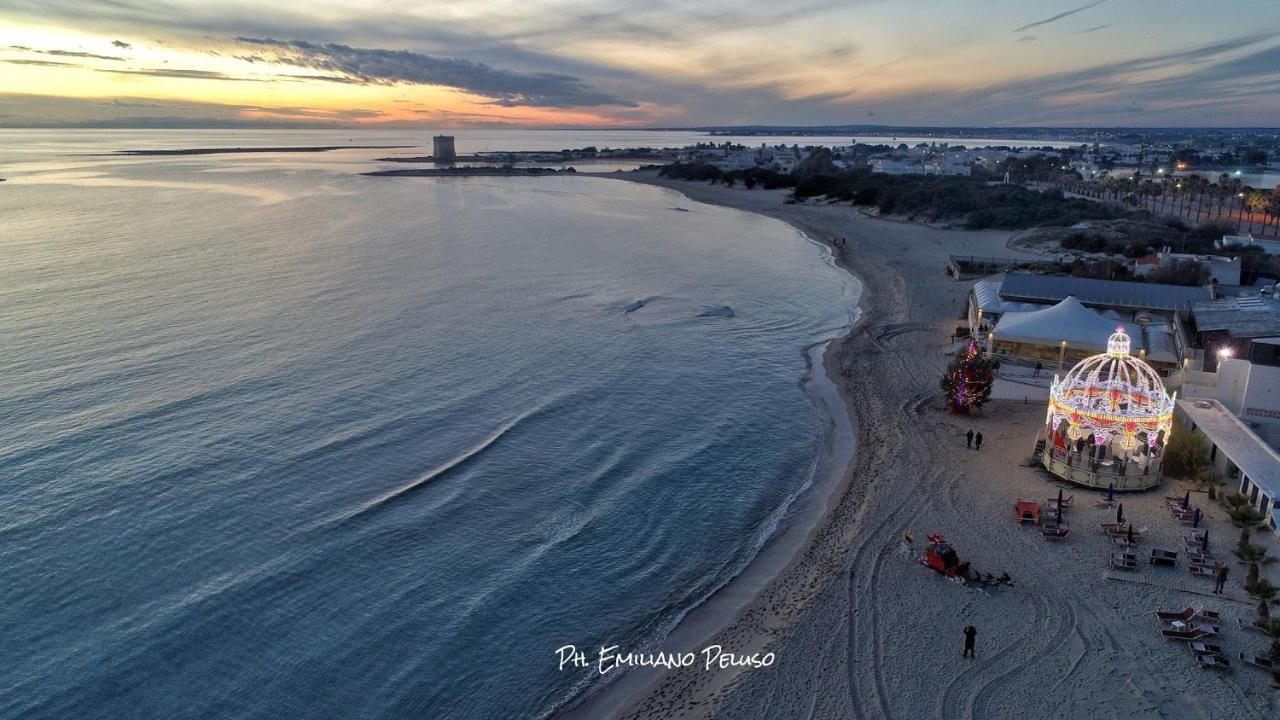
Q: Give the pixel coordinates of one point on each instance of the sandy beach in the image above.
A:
(859, 629)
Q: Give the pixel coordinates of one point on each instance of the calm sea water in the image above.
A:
(278, 440)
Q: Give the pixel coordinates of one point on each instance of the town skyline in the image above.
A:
(1106, 63)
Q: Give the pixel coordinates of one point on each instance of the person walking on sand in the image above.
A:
(977, 441)
(1219, 578)
(908, 543)
(970, 632)
(1039, 367)
(968, 438)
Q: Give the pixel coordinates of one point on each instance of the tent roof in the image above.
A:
(1068, 320)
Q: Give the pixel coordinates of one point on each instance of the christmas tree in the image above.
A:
(967, 382)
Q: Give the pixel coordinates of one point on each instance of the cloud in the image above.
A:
(183, 74)
(1058, 17)
(1027, 38)
(121, 44)
(394, 67)
(45, 63)
(66, 53)
(1095, 28)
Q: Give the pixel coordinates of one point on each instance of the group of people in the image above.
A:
(973, 440)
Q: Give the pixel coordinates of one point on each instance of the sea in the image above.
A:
(280, 440)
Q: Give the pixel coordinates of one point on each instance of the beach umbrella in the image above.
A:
(1120, 513)
(1195, 519)
(1130, 534)
(1204, 542)
(1186, 500)
(1111, 492)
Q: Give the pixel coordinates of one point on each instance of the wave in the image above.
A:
(723, 311)
(430, 476)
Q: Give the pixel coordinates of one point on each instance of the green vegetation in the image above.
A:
(1185, 456)
(967, 201)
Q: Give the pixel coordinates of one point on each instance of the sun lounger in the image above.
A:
(1213, 662)
(1259, 661)
(1163, 557)
(1103, 503)
(1123, 561)
(1203, 648)
(1059, 532)
(1201, 570)
(1187, 614)
(1066, 501)
(1199, 632)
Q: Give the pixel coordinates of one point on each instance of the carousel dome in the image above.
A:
(1112, 394)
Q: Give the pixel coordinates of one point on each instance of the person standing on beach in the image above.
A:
(968, 438)
(970, 632)
(908, 543)
(1219, 578)
(1039, 367)
(977, 441)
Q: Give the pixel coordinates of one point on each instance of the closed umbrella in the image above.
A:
(1120, 513)
(1204, 542)
(1130, 534)
(1111, 492)
(1195, 519)
(1059, 506)
(1186, 500)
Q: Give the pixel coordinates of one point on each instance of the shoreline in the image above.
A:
(832, 476)
(709, 617)
(862, 631)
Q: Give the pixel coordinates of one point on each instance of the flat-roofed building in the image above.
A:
(1250, 465)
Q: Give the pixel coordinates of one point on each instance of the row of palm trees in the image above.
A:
(1193, 197)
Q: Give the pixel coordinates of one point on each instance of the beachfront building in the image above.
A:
(1152, 313)
(1062, 334)
(1250, 466)
(1108, 421)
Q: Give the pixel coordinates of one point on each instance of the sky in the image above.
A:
(643, 63)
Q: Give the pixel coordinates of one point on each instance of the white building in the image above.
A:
(1225, 270)
(1250, 466)
(1270, 247)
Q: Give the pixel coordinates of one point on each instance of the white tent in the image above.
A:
(1069, 320)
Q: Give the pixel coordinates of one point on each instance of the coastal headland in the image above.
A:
(861, 630)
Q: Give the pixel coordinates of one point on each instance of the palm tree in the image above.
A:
(1254, 556)
(1272, 630)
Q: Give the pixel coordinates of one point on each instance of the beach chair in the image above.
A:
(1026, 511)
(1190, 634)
(1213, 662)
(1201, 570)
(1259, 661)
(1123, 561)
(1059, 532)
(1188, 614)
(1199, 647)
(1103, 503)
(1108, 528)
(1066, 501)
(1163, 557)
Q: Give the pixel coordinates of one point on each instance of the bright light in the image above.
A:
(1224, 353)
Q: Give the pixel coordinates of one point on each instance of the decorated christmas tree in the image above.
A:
(967, 382)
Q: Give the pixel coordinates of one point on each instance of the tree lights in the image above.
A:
(967, 381)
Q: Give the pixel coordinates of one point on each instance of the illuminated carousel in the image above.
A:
(1108, 421)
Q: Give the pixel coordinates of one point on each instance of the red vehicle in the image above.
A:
(940, 556)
